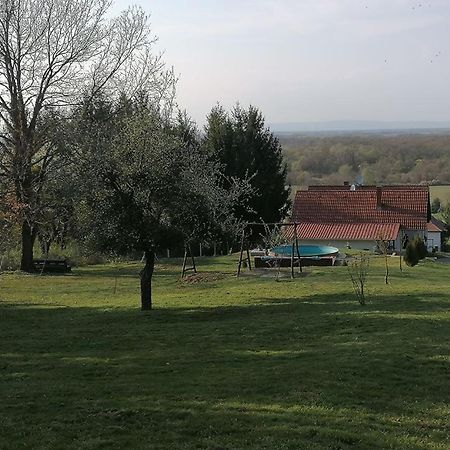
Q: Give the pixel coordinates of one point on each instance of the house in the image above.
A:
(435, 228)
(358, 216)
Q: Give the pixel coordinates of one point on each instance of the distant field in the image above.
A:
(441, 192)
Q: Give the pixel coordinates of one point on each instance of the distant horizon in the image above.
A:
(359, 125)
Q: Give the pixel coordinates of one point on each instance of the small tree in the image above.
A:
(435, 205)
(145, 188)
(273, 236)
(383, 246)
(358, 270)
(421, 248)
(411, 257)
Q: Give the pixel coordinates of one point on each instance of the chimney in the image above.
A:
(379, 204)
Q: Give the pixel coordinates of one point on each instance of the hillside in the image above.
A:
(367, 158)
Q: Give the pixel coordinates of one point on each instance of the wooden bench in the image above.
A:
(51, 265)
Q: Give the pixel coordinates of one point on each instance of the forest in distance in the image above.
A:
(367, 159)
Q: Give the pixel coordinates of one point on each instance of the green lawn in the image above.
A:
(246, 363)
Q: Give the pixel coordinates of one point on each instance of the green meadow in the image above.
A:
(225, 363)
(440, 192)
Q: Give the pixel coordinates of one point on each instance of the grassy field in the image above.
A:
(226, 363)
(440, 192)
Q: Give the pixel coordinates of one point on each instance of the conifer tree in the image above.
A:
(246, 147)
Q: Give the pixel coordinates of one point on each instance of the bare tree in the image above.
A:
(383, 246)
(53, 52)
(358, 269)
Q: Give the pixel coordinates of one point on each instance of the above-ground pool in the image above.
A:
(305, 250)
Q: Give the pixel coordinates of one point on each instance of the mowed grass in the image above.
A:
(246, 363)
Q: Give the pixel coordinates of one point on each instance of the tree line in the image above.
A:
(368, 159)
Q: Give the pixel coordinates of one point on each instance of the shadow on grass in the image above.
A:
(133, 271)
(316, 372)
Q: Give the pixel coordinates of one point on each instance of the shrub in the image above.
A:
(435, 205)
(421, 248)
(358, 269)
(411, 257)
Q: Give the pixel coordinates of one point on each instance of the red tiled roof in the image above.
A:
(346, 231)
(433, 228)
(436, 225)
(405, 205)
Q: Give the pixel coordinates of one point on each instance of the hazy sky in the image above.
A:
(308, 60)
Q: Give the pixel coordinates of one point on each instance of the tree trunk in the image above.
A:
(46, 244)
(26, 263)
(146, 280)
(386, 278)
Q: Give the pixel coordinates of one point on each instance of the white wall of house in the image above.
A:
(434, 240)
(341, 244)
(411, 235)
(369, 244)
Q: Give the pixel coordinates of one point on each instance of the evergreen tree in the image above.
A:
(247, 148)
(421, 248)
(411, 257)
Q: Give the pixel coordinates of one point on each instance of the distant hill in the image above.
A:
(369, 158)
(347, 126)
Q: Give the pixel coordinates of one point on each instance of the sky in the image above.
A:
(308, 60)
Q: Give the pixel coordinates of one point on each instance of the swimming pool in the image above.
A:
(306, 250)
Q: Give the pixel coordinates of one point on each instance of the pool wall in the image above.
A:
(306, 250)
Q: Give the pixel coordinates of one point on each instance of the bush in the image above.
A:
(421, 248)
(435, 205)
(411, 257)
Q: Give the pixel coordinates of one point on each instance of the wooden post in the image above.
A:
(292, 260)
(200, 248)
(402, 239)
(300, 268)
(187, 249)
(249, 263)
(193, 260)
(241, 254)
(183, 271)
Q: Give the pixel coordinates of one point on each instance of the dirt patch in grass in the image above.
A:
(203, 277)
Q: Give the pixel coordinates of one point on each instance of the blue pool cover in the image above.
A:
(306, 250)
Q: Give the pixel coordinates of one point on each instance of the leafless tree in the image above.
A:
(383, 246)
(358, 269)
(53, 52)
